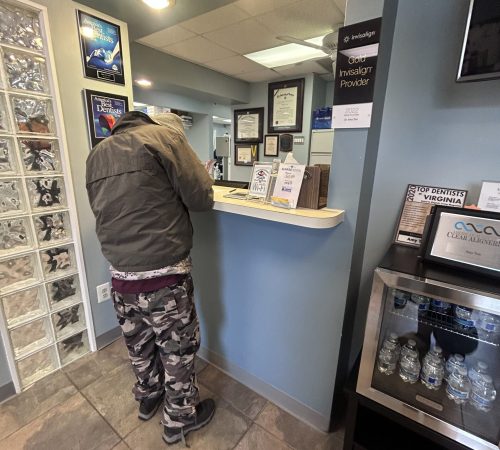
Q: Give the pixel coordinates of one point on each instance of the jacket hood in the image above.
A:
(131, 119)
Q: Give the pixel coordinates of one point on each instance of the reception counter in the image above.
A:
(302, 217)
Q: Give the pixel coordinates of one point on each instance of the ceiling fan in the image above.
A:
(328, 46)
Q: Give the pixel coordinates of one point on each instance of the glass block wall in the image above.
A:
(42, 309)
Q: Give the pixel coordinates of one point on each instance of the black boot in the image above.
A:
(149, 406)
(204, 412)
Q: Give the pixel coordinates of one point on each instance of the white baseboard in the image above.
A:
(281, 399)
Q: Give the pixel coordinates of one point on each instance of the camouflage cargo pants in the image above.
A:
(162, 334)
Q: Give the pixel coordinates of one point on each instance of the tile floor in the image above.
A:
(89, 405)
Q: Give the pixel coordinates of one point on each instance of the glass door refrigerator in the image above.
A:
(432, 348)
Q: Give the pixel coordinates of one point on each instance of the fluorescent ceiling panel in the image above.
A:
(366, 51)
(287, 54)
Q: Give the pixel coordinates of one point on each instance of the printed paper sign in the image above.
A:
(417, 206)
(288, 183)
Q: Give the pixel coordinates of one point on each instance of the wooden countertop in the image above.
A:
(302, 217)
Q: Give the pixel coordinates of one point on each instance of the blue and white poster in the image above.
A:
(103, 112)
(101, 47)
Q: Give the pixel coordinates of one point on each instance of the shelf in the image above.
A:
(443, 322)
(302, 217)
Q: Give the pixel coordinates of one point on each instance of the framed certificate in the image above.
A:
(249, 125)
(271, 145)
(101, 47)
(245, 154)
(464, 238)
(286, 103)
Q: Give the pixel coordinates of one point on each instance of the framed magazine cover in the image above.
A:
(103, 111)
(101, 48)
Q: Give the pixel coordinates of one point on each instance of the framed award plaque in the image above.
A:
(464, 238)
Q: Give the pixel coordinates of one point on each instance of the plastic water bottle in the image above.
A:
(409, 367)
(478, 369)
(483, 393)
(459, 386)
(454, 362)
(393, 339)
(409, 347)
(387, 358)
(433, 369)
(463, 319)
(488, 326)
(440, 306)
(422, 303)
(400, 298)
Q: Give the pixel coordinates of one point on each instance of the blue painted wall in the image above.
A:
(272, 296)
(434, 131)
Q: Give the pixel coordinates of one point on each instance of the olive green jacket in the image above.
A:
(142, 181)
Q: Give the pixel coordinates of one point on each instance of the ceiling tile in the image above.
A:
(257, 7)
(259, 75)
(304, 19)
(234, 65)
(166, 37)
(301, 68)
(215, 19)
(198, 49)
(244, 37)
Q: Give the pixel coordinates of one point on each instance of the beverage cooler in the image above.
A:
(432, 348)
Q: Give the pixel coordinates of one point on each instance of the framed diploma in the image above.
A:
(245, 154)
(101, 47)
(271, 145)
(249, 125)
(286, 103)
(465, 239)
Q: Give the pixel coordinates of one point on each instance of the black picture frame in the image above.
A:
(240, 114)
(283, 89)
(254, 154)
(464, 228)
(103, 110)
(266, 147)
(99, 41)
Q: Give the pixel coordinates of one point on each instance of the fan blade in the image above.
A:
(293, 40)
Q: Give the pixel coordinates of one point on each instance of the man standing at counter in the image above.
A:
(142, 182)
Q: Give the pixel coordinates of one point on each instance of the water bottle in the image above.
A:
(463, 319)
(459, 386)
(422, 303)
(393, 339)
(440, 306)
(488, 326)
(454, 362)
(409, 347)
(433, 369)
(400, 298)
(409, 367)
(483, 393)
(478, 369)
(387, 358)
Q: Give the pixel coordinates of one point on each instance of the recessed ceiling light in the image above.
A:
(143, 82)
(287, 54)
(159, 4)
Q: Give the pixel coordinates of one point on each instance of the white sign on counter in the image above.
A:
(288, 183)
(489, 199)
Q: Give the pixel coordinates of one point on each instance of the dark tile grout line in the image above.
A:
(44, 412)
(97, 411)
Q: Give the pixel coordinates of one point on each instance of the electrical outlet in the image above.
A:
(103, 292)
